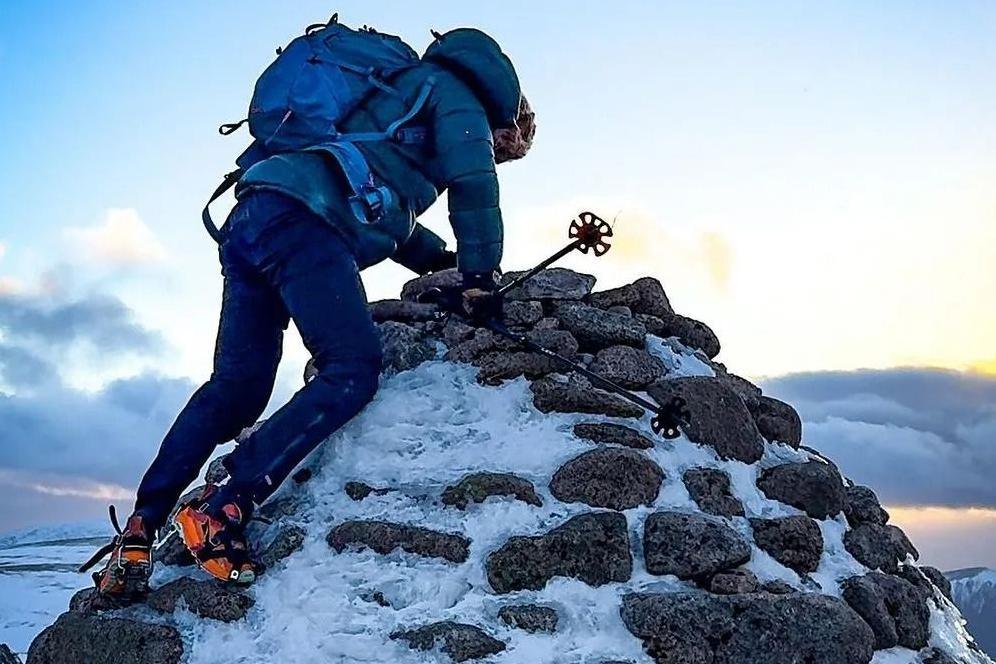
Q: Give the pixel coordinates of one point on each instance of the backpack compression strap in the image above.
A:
(226, 184)
(369, 201)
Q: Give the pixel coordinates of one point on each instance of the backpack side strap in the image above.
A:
(226, 184)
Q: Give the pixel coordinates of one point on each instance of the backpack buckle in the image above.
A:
(370, 202)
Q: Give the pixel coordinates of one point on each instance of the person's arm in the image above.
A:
(424, 252)
(466, 161)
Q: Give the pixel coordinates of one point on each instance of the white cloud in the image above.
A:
(121, 239)
(916, 436)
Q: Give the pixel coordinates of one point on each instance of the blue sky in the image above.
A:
(814, 181)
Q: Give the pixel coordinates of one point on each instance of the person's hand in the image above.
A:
(476, 298)
(445, 260)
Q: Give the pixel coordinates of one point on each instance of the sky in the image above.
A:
(814, 181)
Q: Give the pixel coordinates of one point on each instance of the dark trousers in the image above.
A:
(280, 262)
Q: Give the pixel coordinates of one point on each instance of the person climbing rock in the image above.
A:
(316, 204)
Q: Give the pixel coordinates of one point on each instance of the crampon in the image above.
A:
(125, 577)
(216, 539)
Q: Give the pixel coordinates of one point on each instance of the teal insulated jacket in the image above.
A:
(474, 90)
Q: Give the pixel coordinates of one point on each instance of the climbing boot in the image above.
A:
(216, 538)
(125, 577)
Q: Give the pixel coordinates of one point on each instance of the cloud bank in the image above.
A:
(122, 239)
(918, 436)
(58, 443)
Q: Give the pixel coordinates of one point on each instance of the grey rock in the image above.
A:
(608, 433)
(630, 367)
(529, 617)
(402, 311)
(506, 364)
(376, 597)
(411, 291)
(461, 642)
(777, 421)
(643, 296)
(405, 347)
(929, 580)
(711, 491)
(275, 509)
(611, 477)
(288, 540)
(559, 341)
(593, 548)
(596, 329)
(936, 656)
(733, 582)
(216, 472)
(173, 552)
(690, 332)
(89, 600)
(895, 609)
(548, 323)
(384, 537)
(814, 487)
(303, 475)
(794, 541)
(746, 390)
(360, 490)
(478, 487)
(553, 284)
(576, 395)
(719, 417)
(78, 638)
(8, 657)
(699, 628)
(620, 309)
(861, 506)
(938, 580)
(691, 546)
(522, 313)
(499, 366)
(206, 599)
(777, 587)
(455, 332)
(483, 341)
(879, 547)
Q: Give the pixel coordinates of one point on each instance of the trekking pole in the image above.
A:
(588, 232)
(666, 417)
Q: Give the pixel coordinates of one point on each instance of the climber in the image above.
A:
(292, 249)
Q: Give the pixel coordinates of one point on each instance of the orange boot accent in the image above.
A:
(125, 577)
(218, 547)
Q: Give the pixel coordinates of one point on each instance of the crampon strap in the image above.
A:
(107, 548)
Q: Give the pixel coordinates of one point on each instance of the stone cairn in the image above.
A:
(724, 614)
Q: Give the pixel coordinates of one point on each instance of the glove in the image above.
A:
(445, 260)
(476, 298)
(480, 300)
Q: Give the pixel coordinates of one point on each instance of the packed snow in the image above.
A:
(425, 430)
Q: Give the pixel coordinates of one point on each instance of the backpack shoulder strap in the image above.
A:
(396, 131)
(226, 184)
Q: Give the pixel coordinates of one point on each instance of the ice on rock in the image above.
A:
(434, 425)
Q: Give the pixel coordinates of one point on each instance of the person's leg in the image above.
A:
(248, 349)
(318, 280)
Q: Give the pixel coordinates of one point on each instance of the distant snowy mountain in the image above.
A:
(38, 576)
(974, 592)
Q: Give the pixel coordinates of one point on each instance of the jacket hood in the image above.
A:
(478, 60)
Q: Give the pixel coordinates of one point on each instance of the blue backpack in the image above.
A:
(315, 83)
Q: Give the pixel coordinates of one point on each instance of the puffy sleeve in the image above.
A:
(466, 166)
